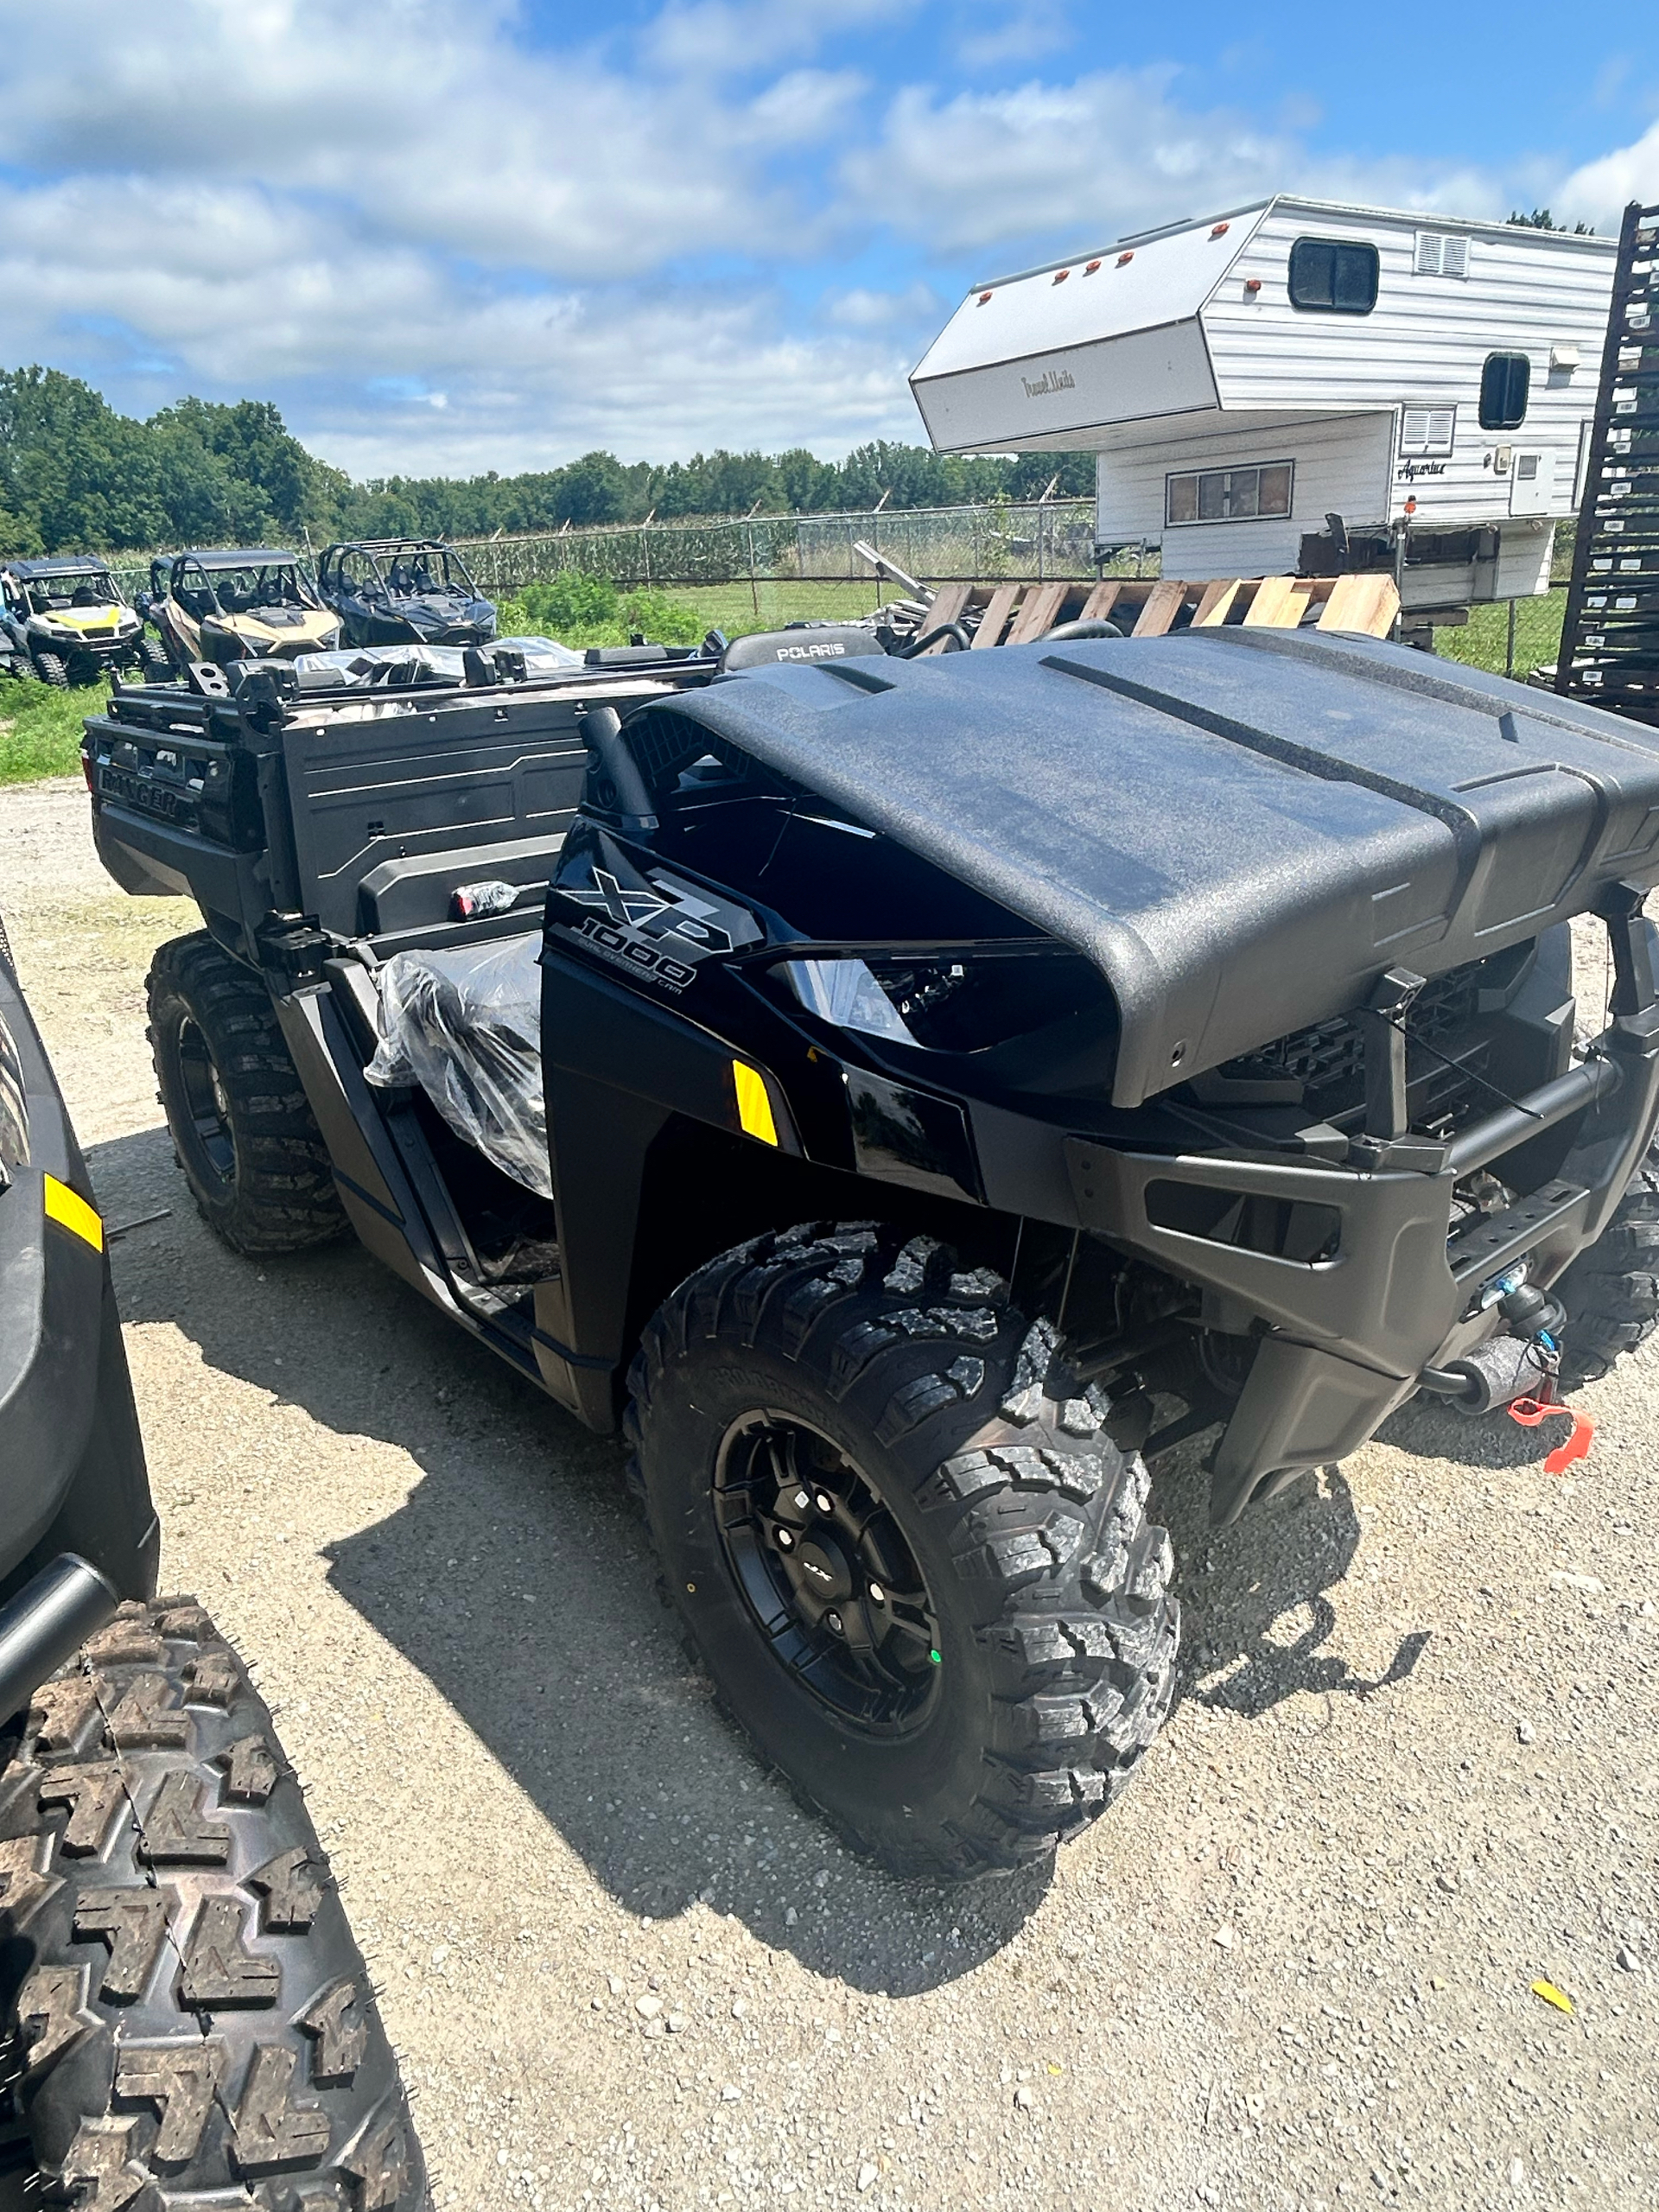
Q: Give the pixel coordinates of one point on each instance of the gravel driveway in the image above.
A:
(1413, 1771)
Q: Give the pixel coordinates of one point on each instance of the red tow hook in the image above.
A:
(1530, 1411)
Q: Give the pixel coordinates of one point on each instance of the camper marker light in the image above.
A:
(1090, 269)
(1061, 276)
(754, 1107)
(1122, 258)
(1220, 230)
(71, 1211)
(983, 297)
(1252, 284)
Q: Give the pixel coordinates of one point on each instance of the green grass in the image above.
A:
(1482, 642)
(681, 615)
(40, 729)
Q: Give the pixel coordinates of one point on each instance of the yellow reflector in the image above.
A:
(71, 1211)
(754, 1107)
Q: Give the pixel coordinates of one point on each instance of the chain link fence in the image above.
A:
(1033, 541)
(1053, 539)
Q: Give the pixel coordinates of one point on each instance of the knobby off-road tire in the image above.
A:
(154, 662)
(1046, 1590)
(192, 2013)
(242, 1128)
(1611, 1292)
(52, 670)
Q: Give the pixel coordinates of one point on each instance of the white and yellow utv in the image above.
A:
(228, 606)
(66, 621)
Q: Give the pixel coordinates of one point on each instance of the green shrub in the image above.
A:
(584, 610)
(664, 621)
(571, 601)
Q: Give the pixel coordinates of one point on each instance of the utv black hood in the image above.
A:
(1241, 829)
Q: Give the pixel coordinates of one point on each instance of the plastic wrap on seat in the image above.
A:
(466, 1025)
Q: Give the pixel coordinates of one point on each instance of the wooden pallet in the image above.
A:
(1017, 615)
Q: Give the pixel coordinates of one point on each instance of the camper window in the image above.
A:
(1505, 383)
(1332, 276)
(1228, 494)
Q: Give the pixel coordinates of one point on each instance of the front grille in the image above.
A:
(1328, 1060)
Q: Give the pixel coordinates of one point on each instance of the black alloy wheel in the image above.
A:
(914, 1561)
(823, 1566)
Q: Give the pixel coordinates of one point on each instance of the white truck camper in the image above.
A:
(1302, 386)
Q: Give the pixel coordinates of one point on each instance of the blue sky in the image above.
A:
(450, 235)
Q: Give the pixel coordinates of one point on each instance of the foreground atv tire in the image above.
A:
(1611, 1292)
(989, 1646)
(52, 670)
(242, 1128)
(192, 2014)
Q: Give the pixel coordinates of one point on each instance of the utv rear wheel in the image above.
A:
(242, 1128)
(909, 1552)
(52, 670)
(1611, 1292)
(189, 2016)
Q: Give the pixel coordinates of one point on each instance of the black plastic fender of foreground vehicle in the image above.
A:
(191, 2021)
(909, 1552)
(72, 1463)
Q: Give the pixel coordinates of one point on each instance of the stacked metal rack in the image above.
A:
(1609, 634)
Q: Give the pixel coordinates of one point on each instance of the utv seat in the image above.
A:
(802, 642)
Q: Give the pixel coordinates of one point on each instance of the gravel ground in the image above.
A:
(1411, 1773)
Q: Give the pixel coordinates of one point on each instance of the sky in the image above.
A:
(447, 236)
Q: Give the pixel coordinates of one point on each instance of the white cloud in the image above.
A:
(1033, 26)
(388, 360)
(714, 38)
(440, 248)
(1111, 151)
(864, 309)
(435, 126)
(1600, 191)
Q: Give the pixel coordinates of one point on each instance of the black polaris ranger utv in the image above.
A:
(905, 1094)
(182, 2006)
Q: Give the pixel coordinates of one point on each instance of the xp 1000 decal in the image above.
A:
(656, 927)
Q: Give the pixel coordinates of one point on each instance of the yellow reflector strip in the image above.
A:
(71, 1211)
(754, 1107)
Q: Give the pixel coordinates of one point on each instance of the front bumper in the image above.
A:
(1347, 1337)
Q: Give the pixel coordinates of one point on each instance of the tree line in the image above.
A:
(76, 475)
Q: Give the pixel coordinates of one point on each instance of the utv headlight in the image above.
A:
(845, 994)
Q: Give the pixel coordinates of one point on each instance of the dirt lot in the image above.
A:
(1413, 1771)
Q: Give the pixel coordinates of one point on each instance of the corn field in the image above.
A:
(938, 545)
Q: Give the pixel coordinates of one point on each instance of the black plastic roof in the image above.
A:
(390, 545)
(62, 564)
(229, 557)
(1242, 829)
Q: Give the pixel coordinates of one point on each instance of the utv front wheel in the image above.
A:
(52, 670)
(913, 1559)
(242, 1127)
